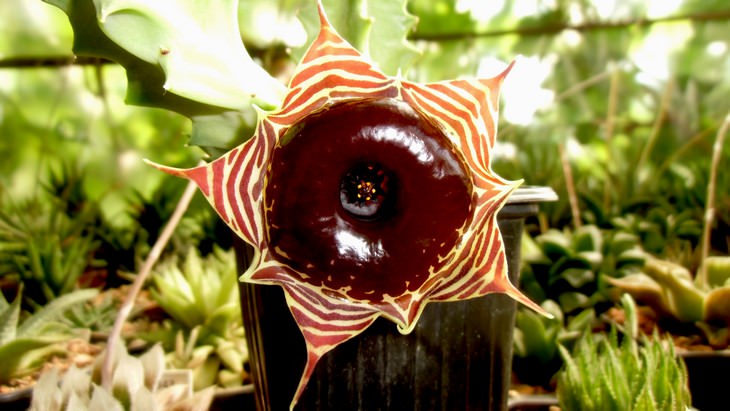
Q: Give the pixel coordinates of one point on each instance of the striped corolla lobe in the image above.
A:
(366, 195)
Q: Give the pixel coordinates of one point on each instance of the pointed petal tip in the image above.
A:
(178, 172)
(521, 298)
(312, 359)
(322, 15)
(198, 174)
(524, 300)
(503, 75)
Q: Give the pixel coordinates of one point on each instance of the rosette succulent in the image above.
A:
(365, 195)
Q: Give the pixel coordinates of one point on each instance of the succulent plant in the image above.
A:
(675, 293)
(26, 344)
(138, 384)
(46, 248)
(664, 232)
(570, 266)
(201, 296)
(638, 373)
(96, 316)
(220, 364)
(536, 357)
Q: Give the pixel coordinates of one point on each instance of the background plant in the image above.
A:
(570, 266)
(139, 384)
(47, 242)
(26, 343)
(537, 340)
(635, 373)
(206, 331)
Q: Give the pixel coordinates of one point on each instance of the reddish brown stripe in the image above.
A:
(325, 326)
(200, 176)
(217, 168)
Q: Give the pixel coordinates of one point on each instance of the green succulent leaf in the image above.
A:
(602, 373)
(23, 355)
(587, 238)
(717, 305)
(685, 300)
(218, 133)
(51, 312)
(9, 317)
(197, 45)
(145, 81)
(185, 56)
(582, 321)
(717, 270)
(555, 244)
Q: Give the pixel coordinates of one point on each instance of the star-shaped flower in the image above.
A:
(366, 195)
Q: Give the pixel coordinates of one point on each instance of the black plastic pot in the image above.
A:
(707, 374)
(16, 400)
(457, 358)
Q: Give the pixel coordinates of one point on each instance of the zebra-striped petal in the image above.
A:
(366, 195)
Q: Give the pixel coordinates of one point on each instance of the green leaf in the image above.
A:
(718, 270)
(555, 244)
(573, 300)
(9, 316)
(197, 45)
(587, 238)
(685, 300)
(717, 305)
(535, 340)
(53, 310)
(218, 133)
(378, 28)
(193, 61)
(22, 355)
(578, 277)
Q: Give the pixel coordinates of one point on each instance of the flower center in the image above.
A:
(366, 197)
(365, 191)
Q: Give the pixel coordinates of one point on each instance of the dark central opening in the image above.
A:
(365, 191)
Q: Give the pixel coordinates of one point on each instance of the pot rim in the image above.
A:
(532, 194)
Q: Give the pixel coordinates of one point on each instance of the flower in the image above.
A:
(366, 195)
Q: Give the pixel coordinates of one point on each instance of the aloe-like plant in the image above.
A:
(26, 344)
(139, 384)
(636, 373)
(44, 247)
(200, 292)
(201, 296)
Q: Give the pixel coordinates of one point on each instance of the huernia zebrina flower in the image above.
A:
(366, 195)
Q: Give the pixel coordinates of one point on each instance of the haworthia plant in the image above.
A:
(25, 345)
(635, 374)
(139, 385)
